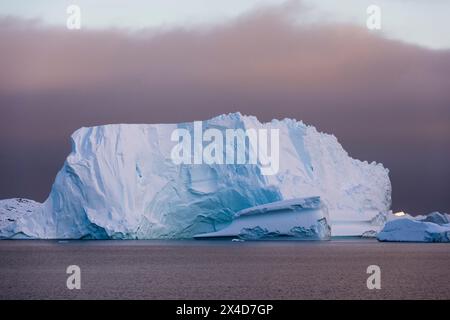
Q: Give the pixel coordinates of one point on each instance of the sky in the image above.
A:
(383, 93)
(415, 21)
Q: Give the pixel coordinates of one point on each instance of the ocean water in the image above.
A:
(222, 269)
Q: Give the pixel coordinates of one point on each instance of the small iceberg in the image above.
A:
(434, 227)
(299, 219)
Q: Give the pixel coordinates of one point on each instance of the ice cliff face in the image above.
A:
(119, 181)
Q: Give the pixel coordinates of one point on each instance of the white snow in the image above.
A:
(119, 182)
(434, 227)
(304, 219)
(13, 212)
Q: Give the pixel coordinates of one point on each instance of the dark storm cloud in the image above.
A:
(386, 101)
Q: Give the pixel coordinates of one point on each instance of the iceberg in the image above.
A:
(120, 182)
(303, 219)
(13, 216)
(434, 227)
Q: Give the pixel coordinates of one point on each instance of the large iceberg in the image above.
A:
(120, 182)
(434, 227)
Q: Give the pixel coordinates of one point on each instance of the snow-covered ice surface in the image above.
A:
(119, 182)
(434, 227)
(13, 216)
(436, 217)
(303, 219)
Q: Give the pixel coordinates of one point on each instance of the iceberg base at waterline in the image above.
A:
(299, 219)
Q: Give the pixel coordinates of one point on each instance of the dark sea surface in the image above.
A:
(222, 269)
